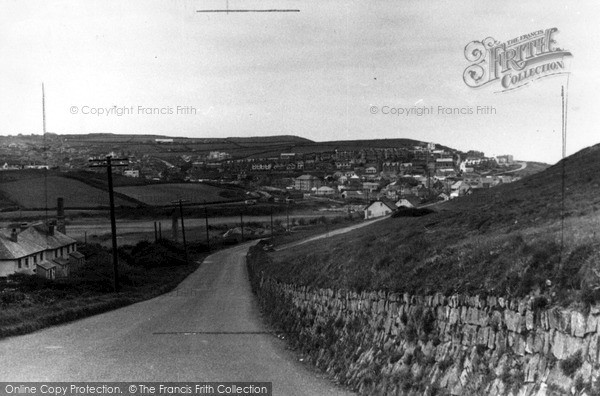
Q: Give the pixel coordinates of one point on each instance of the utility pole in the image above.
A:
(271, 221)
(109, 164)
(206, 220)
(180, 201)
(242, 224)
(287, 214)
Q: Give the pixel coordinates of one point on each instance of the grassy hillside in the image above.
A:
(506, 241)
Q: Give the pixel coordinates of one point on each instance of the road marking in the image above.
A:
(219, 332)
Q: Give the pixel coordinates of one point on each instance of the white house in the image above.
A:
(378, 209)
(131, 173)
(407, 203)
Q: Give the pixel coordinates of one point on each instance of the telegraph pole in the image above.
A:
(206, 220)
(180, 201)
(242, 224)
(287, 214)
(108, 164)
(271, 221)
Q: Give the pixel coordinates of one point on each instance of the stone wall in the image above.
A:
(390, 343)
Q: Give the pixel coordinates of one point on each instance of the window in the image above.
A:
(34, 259)
(42, 256)
(27, 262)
(19, 263)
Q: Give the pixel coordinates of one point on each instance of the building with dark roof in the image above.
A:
(37, 249)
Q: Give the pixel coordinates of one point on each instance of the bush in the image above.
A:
(412, 212)
(163, 253)
(11, 297)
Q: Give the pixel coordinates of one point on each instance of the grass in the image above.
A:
(165, 194)
(509, 240)
(29, 303)
(30, 193)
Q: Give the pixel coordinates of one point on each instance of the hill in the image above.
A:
(509, 240)
(34, 190)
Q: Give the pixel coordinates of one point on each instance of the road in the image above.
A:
(523, 166)
(208, 329)
(332, 233)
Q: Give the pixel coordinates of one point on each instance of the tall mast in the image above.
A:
(44, 109)
(45, 152)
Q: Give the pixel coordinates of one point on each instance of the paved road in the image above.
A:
(208, 329)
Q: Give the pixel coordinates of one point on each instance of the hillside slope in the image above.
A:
(508, 240)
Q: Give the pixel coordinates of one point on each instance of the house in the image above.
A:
(324, 190)
(379, 208)
(354, 194)
(38, 249)
(408, 202)
(370, 186)
(307, 182)
(131, 173)
(444, 197)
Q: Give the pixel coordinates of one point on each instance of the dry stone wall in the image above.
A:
(400, 344)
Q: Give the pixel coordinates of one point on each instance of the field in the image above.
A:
(165, 194)
(30, 193)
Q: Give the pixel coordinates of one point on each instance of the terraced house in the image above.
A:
(38, 249)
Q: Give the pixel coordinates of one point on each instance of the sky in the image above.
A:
(335, 70)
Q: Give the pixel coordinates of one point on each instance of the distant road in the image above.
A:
(523, 166)
(332, 233)
(208, 329)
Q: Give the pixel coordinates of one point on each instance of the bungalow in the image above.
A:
(379, 208)
(37, 249)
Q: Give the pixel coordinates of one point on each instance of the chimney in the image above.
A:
(60, 215)
(14, 236)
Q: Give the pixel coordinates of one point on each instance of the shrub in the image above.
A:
(412, 212)
(11, 297)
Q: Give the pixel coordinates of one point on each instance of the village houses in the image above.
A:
(38, 249)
